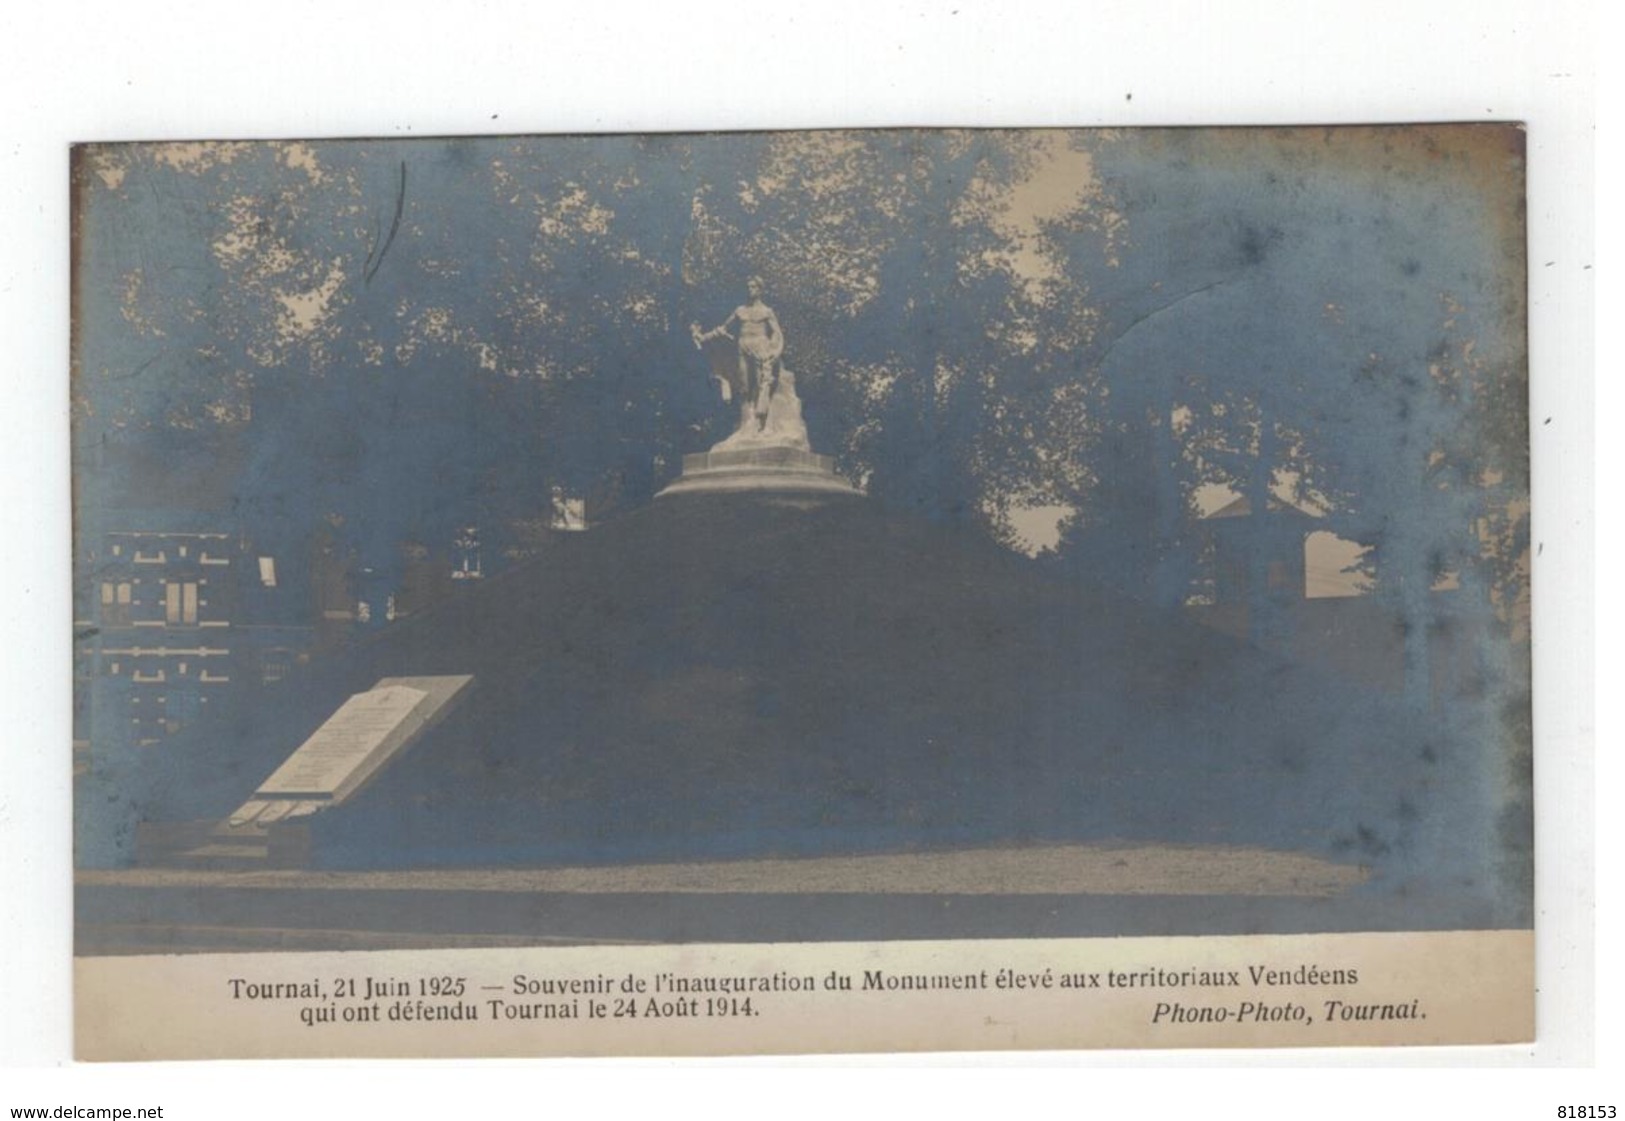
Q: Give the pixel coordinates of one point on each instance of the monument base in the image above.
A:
(775, 469)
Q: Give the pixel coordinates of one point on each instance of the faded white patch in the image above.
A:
(247, 240)
(302, 157)
(197, 157)
(1038, 528)
(574, 213)
(304, 312)
(1328, 567)
(133, 305)
(108, 165)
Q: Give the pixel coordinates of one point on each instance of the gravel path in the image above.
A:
(1051, 870)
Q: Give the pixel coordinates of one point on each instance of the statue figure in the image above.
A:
(768, 451)
(769, 411)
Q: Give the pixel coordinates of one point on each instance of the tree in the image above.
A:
(1290, 303)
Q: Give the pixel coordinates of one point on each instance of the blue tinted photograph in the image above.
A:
(800, 536)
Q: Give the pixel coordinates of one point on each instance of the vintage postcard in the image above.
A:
(803, 591)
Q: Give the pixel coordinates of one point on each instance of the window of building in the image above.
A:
(116, 604)
(180, 602)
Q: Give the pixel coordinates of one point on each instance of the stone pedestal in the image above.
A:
(778, 469)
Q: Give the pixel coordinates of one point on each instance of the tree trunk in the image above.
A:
(1261, 613)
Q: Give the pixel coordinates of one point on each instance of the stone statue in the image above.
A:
(768, 452)
(769, 411)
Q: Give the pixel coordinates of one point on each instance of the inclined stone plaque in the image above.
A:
(366, 732)
(347, 748)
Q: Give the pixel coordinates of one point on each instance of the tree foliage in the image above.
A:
(424, 334)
